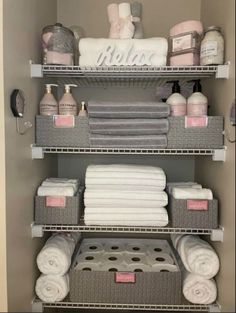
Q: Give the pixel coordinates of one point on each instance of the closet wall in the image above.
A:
(22, 24)
(221, 176)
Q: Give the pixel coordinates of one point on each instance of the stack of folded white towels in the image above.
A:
(54, 261)
(189, 190)
(58, 187)
(201, 264)
(125, 195)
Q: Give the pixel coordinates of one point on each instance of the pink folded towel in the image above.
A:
(113, 16)
(187, 26)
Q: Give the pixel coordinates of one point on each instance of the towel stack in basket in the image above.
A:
(201, 264)
(54, 261)
(58, 187)
(128, 124)
(129, 195)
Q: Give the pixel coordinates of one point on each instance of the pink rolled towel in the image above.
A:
(113, 16)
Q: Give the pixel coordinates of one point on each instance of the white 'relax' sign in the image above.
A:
(110, 56)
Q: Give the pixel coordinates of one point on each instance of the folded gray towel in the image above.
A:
(109, 109)
(126, 127)
(145, 142)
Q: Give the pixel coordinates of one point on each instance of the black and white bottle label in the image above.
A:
(209, 49)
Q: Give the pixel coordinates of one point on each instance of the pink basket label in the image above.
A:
(197, 205)
(56, 202)
(122, 277)
(193, 121)
(64, 121)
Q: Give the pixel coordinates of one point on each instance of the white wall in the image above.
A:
(23, 21)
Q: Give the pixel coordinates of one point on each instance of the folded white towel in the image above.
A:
(199, 290)
(125, 198)
(55, 185)
(192, 193)
(197, 255)
(55, 256)
(56, 191)
(62, 180)
(52, 288)
(160, 220)
(124, 210)
(170, 186)
(118, 174)
(137, 188)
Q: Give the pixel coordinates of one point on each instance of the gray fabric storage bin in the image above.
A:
(210, 137)
(148, 288)
(47, 135)
(180, 216)
(69, 215)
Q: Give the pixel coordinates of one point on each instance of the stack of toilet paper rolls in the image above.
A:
(125, 255)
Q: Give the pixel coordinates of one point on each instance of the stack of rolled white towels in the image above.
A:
(54, 261)
(125, 195)
(189, 190)
(201, 264)
(58, 187)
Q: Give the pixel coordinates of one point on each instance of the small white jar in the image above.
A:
(212, 47)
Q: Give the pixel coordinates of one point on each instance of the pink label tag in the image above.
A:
(56, 202)
(193, 121)
(197, 205)
(122, 277)
(64, 121)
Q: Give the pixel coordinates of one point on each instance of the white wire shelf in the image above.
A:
(40, 306)
(217, 154)
(38, 230)
(143, 77)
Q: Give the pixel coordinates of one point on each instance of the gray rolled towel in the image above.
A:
(125, 127)
(136, 12)
(144, 142)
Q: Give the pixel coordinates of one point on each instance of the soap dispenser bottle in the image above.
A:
(197, 103)
(67, 104)
(178, 104)
(48, 105)
(83, 111)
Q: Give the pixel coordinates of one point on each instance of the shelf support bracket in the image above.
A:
(36, 231)
(36, 70)
(215, 308)
(37, 307)
(223, 71)
(219, 155)
(37, 152)
(218, 234)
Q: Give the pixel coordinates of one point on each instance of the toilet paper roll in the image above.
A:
(87, 266)
(93, 247)
(135, 259)
(164, 268)
(114, 267)
(159, 247)
(136, 248)
(114, 247)
(139, 268)
(89, 258)
(160, 258)
(112, 258)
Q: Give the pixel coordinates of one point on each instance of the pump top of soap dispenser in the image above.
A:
(68, 86)
(49, 87)
(197, 87)
(83, 111)
(176, 86)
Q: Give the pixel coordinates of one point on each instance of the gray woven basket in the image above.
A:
(148, 288)
(70, 215)
(47, 135)
(210, 137)
(181, 217)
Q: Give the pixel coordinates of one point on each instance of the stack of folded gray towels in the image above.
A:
(128, 124)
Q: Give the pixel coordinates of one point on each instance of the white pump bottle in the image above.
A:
(48, 105)
(67, 104)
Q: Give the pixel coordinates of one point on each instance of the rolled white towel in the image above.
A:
(52, 288)
(198, 290)
(55, 256)
(192, 193)
(44, 191)
(55, 185)
(62, 180)
(197, 255)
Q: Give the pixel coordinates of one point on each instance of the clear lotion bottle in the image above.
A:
(48, 106)
(67, 104)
